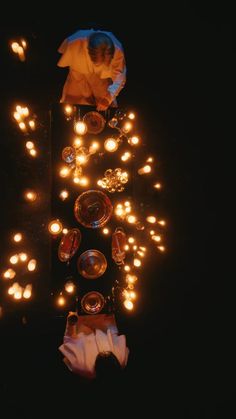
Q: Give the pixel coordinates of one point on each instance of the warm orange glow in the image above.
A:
(137, 262)
(64, 172)
(131, 219)
(131, 115)
(33, 152)
(55, 227)
(156, 238)
(161, 248)
(9, 274)
(61, 301)
(14, 259)
(17, 237)
(69, 287)
(23, 256)
(133, 140)
(128, 304)
(31, 265)
(105, 230)
(30, 196)
(27, 291)
(111, 145)
(64, 194)
(151, 219)
(127, 127)
(162, 222)
(145, 169)
(157, 186)
(32, 124)
(29, 145)
(127, 268)
(80, 128)
(77, 142)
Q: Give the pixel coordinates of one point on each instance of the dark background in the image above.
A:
(179, 61)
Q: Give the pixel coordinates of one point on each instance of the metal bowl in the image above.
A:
(92, 264)
(69, 244)
(94, 121)
(92, 302)
(93, 209)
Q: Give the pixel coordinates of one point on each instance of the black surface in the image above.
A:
(182, 357)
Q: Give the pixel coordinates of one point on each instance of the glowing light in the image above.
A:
(84, 181)
(31, 265)
(18, 293)
(68, 109)
(131, 115)
(150, 160)
(131, 219)
(23, 256)
(65, 230)
(29, 145)
(13, 288)
(111, 145)
(64, 194)
(76, 179)
(94, 147)
(61, 301)
(135, 247)
(9, 274)
(105, 230)
(14, 259)
(162, 222)
(30, 196)
(128, 305)
(77, 142)
(126, 156)
(145, 169)
(27, 291)
(15, 46)
(17, 237)
(137, 262)
(151, 219)
(119, 212)
(24, 43)
(69, 287)
(80, 128)
(33, 152)
(157, 186)
(32, 124)
(22, 126)
(127, 204)
(127, 268)
(131, 240)
(64, 172)
(156, 238)
(55, 227)
(161, 248)
(133, 140)
(131, 279)
(25, 111)
(20, 52)
(127, 127)
(17, 116)
(126, 247)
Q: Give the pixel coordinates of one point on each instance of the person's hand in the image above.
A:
(102, 104)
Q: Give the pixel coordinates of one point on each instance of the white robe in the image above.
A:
(80, 353)
(86, 81)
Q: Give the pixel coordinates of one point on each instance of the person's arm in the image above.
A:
(118, 78)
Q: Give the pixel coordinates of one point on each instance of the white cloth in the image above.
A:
(80, 353)
(85, 80)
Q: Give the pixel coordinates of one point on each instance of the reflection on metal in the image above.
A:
(92, 302)
(92, 264)
(95, 122)
(69, 244)
(68, 154)
(118, 245)
(93, 209)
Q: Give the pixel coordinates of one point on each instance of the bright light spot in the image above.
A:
(64, 172)
(127, 268)
(106, 230)
(32, 124)
(162, 222)
(22, 126)
(131, 240)
(9, 274)
(33, 152)
(31, 265)
(156, 238)
(55, 227)
(131, 219)
(161, 248)
(128, 305)
(69, 287)
(133, 140)
(131, 115)
(151, 219)
(137, 262)
(29, 145)
(30, 196)
(157, 186)
(111, 145)
(14, 259)
(61, 301)
(27, 291)
(77, 142)
(17, 237)
(80, 128)
(145, 169)
(64, 194)
(23, 257)
(127, 127)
